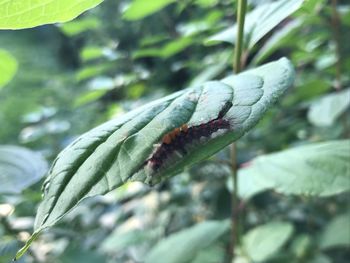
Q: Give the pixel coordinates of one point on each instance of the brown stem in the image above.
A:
(235, 239)
(237, 65)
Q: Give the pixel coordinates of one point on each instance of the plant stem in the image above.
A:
(237, 65)
(336, 33)
(241, 10)
(235, 233)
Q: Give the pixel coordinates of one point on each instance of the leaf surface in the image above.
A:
(319, 169)
(336, 233)
(19, 168)
(259, 22)
(264, 241)
(8, 67)
(117, 151)
(18, 14)
(184, 246)
(325, 111)
(139, 9)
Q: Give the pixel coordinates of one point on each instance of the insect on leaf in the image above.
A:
(200, 121)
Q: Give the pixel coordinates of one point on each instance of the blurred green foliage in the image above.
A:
(71, 77)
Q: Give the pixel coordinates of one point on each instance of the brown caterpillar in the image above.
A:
(177, 139)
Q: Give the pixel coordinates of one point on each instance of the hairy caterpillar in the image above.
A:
(180, 137)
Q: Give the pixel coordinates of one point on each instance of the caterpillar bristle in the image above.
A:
(175, 141)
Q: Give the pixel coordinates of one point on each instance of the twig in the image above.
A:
(336, 34)
(241, 10)
(237, 65)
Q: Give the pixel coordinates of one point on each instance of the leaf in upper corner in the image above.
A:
(19, 168)
(264, 241)
(8, 67)
(325, 111)
(139, 9)
(259, 22)
(186, 245)
(319, 169)
(117, 151)
(336, 233)
(17, 15)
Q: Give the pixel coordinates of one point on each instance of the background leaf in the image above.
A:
(74, 255)
(336, 233)
(264, 241)
(139, 8)
(17, 14)
(321, 258)
(79, 26)
(9, 246)
(325, 111)
(19, 168)
(281, 37)
(74, 76)
(215, 253)
(321, 169)
(170, 49)
(259, 22)
(120, 240)
(184, 246)
(109, 155)
(8, 67)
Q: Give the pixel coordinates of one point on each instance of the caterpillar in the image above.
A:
(177, 139)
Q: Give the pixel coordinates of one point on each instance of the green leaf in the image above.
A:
(336, 233)
(8, 67)
(206, 3)
(176, 46)
(309, 88)
(301, 246)
(283, 37)
(215, 253)
(166, 51)
(259, 22)
(147, 52)
(119, 241)
(325, 111)
(73, 255)
(320, 258)
(209, 73)
(91, 53)
(92, 71)
(320, 169)
(80, 25)
(184, 246)
(89, 96)
(19, 168)
(116, 152)
(16, 14)
(9, 246)
(264, 241)
(98, 87)
(139, 9)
